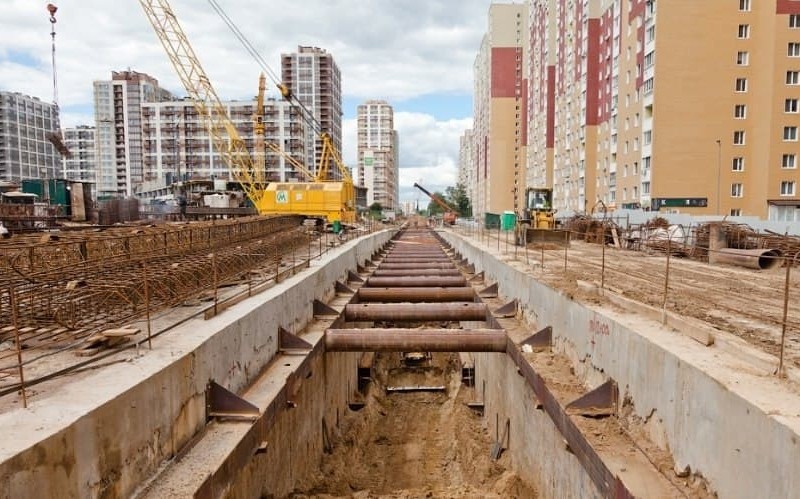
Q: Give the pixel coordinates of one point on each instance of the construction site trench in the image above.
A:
(403, 363)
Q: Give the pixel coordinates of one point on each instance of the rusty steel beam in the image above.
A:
(468, 311)
(414, 272)
(415, 340)
(416, 294)
(416, 282)
(400, 266)
(400, 259)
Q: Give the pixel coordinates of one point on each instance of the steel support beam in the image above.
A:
(414, 272)
(416, 282)
(415, 295)
(415, 312)
(398, 266)
(415, 340)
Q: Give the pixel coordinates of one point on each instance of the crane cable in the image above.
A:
(52, 10)
(308, 116)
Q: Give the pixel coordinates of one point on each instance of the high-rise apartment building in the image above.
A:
(118, 120)
(500, 111)
(378, 158)
(679, 105)
(25, 151)
(177, 145)
(81, 164)
(313, 77)
(466, 163)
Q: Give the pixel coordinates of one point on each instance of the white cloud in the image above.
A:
(393, 50)
(428, 151)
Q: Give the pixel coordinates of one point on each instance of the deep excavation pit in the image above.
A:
(417, 443)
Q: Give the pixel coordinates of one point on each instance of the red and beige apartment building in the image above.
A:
(678, 105)
(499, 131)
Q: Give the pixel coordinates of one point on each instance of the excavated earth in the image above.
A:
(417, 443)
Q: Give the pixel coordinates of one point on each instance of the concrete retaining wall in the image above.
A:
(103, 436)
(722, 419)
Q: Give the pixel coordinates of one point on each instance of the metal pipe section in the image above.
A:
(415, 272)
(415, 340)
(400, 259)
(416, 282)
(401, 266)
(469, 311)
(761, 259)
(416, 294)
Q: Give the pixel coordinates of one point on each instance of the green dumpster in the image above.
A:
(508, 221)
(491, 220)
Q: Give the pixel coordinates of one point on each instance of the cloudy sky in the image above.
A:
(415, 54)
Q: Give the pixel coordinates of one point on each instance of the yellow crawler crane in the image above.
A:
(338, 204)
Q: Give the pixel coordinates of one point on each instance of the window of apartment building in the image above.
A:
(787, 188)
(792, 77)
(794, 20)
(740, 111)
(737, 190)
(742, 58)
(744, 5)
(744, 31)
(625, 194)
(635, 192)
(648, 137)
(789, 161)
(790, 106)
(737, 164)
(635, 168)
(648, 85)
(794, 49)
(625, 171)
(736, 212)
(648, 60)
(636, 119)
(645, 188)
(790, 133)
(741, 84)
(651, 34)
(738, 137)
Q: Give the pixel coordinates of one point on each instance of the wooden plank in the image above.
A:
(616, 237)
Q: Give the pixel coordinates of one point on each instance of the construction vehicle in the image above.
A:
(537, 220)
(338, 203)
(449, 215)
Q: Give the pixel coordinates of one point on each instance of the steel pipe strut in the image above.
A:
(762, 259)
(415, 312)
(415, 340)
(415, 295)
(400, 259)
(416, 282)
(414, 272)
(398, 266)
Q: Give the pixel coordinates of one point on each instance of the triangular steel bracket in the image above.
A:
(323, 310)
(540, 340)
(507, 310)
(489, 291)
(352, 276)
(600, 402)
(477, 277)
(341, 287)
(223, 403)
(288, 341)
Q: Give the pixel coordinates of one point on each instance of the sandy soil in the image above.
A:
(415, 444)
(745, 302)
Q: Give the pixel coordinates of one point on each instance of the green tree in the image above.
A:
(433, 206)
(376, 210)
(457, 198)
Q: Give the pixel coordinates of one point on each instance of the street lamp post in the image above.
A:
(719, 171)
